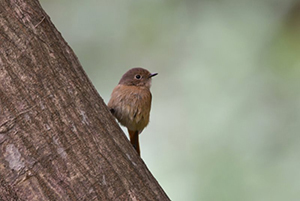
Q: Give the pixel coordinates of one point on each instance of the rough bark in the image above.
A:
(58, 140)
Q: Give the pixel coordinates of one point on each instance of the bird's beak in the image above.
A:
(152, 75)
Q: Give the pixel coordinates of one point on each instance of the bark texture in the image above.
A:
(58, 140)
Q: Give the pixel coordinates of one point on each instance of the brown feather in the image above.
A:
(134, 139)
(130, 102)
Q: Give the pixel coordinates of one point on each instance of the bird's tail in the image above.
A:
(134, 139)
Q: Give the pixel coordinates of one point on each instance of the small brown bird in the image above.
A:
(130, 102)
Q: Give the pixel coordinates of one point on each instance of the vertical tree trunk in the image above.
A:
(58, 140)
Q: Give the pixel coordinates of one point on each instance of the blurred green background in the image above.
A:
(225, 118)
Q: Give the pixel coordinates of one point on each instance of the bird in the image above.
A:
(130, 102)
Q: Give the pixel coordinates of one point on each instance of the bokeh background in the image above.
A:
(225, 118)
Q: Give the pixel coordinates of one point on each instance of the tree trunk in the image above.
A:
(58, 140)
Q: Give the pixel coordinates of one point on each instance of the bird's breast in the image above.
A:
(131, 105)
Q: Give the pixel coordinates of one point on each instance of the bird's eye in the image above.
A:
(138, 77)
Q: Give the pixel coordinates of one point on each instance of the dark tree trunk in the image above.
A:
(58, 140)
